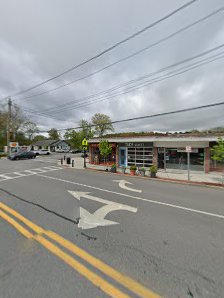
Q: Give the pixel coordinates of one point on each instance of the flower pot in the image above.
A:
(143, 173)
(123, 171)
(132, 173)
(113, 170)
(152, 175)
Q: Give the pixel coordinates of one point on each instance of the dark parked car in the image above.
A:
(22, 155)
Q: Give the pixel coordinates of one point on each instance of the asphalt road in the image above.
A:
(155, 238)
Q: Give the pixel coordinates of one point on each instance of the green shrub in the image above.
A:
(153, 169)
(133, 168)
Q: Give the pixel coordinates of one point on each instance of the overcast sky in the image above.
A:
(39, 39)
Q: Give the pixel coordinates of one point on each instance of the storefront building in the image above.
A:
(164, 152)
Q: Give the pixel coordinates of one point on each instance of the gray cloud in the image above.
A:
(41, 39)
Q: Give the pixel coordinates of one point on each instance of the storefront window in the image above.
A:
(177, 159)
(141, 157)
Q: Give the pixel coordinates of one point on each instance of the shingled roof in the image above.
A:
(45, 142)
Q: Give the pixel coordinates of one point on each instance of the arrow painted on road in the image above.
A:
(92, 220)
(122, 184)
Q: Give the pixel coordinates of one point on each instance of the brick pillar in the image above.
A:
(155, 156)
(90, 153)
(207, 160)
(117, 155)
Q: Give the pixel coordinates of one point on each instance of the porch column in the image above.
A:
(207, 159)
(155, 156)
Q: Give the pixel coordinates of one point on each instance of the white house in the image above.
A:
(51, 145)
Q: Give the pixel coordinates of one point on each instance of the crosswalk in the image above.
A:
(14, 175)
(45, 159)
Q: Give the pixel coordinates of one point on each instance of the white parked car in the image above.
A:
(62, 150)
(41, 152)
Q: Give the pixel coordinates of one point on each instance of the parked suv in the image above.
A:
(41, 152)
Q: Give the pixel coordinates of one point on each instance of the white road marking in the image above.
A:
(138, 198)
(56, 167)
(26, 173)
(30, 172)
(88, 220)
(48, 168)
(39, 170)
(122, 183)
(5, 177)
(46, 160)
(19, 174)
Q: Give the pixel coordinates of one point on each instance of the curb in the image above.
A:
(166, 180)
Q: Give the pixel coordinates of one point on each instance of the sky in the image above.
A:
(40, 39)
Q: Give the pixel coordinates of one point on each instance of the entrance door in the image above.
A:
(122, 156)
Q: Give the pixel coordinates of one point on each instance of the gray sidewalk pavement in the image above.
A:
(195, 176)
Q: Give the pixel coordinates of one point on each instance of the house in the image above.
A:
(51, 145)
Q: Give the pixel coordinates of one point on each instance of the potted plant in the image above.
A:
(123, 168)
(133, 170)
(142, 171)
(153, 171)
(113, 168)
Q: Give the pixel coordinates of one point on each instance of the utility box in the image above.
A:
(68, 160)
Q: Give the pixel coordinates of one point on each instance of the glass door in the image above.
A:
(122, 156)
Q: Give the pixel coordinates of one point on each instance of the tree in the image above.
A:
(218, 151)
(38, 138)
(30, 129)
(53, 134)
(105, 148)
(18, 119)
(18, 125)
(102, 124)
(74, 138)
(86, 129)
(3, 121)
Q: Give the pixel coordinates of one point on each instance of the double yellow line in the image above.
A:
(94, 278)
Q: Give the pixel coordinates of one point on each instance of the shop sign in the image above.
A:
(161, 150)
(138, 145)
(188, 149)
(13, 144)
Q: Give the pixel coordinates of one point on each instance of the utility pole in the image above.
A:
(9, 123)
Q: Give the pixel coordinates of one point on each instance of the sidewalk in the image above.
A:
(195, 176)
(172, 175)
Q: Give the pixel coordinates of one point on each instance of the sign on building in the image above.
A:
(13, 144)
(188, 149)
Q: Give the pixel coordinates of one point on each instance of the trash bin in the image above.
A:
(68, 160)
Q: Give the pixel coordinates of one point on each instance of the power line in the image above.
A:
(153, 115)
(139, 32)
(129, 56)
(131, 89)
(146, 83)
(62, 106)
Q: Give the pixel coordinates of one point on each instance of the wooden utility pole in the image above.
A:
(9, 123)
